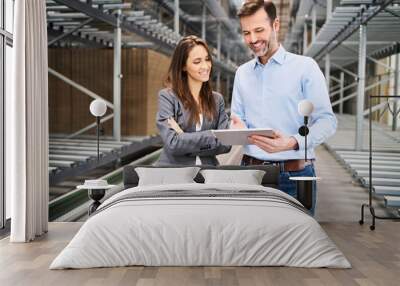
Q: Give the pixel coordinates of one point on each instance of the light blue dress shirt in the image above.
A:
(266, 96)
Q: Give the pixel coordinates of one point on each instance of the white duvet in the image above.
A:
(183, 231)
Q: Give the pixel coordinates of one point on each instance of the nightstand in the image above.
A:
(96, 191)
(304, 190)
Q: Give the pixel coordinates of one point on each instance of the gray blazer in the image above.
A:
(182, 149)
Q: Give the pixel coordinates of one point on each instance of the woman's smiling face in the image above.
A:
(198, 64)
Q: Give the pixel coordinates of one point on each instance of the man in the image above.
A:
(266, 93)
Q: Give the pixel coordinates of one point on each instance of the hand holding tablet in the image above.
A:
(240, 136)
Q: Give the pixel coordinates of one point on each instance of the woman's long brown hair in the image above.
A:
(178, 80)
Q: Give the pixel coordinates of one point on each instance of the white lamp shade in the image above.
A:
(305, 107)
(98, 107)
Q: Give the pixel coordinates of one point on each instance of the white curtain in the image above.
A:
(27, 124)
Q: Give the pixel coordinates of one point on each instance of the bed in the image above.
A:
(201, 224)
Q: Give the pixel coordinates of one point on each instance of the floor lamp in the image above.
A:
(98, 108)
(304, 184)
(96, 188)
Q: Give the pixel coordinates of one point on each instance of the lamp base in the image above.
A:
(96, 195)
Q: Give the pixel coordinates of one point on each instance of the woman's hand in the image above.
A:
(172, 123)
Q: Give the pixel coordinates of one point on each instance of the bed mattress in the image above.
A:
(201, 225)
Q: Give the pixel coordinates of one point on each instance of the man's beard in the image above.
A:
(265, 50)
(262, 52)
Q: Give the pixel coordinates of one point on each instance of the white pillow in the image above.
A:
(166, 176)
(248, 177)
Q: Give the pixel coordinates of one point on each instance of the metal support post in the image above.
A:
(314, 23)
(341, 92)
(299, 45)
(219, 81)
(228, 88)
(219, 56)
(305, 35)
(117, 81)
(361, 87)
(328, 70)
(379, 100)
(203, 22)
(328, 9)
(396, 91)
(176, 17)
(235, 56)
(219, 41)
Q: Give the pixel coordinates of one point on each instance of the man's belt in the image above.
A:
(287, 165)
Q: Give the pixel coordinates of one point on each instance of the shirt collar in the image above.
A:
(278, 56)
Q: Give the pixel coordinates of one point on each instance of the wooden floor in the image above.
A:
(374, 255)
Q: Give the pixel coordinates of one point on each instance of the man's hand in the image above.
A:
(172, 123)
(279, 143)
(236, 123)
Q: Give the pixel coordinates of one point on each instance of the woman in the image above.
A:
(188, 108)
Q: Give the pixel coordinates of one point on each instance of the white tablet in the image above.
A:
(240, 136)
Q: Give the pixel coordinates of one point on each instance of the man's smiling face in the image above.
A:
(258, 33)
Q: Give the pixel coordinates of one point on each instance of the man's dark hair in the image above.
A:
(250, 7)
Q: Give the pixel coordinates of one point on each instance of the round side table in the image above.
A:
(96, 191)
(96, 195)
(304, 190)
